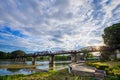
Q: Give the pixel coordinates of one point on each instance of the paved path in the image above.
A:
(82, 67)
(83, 70)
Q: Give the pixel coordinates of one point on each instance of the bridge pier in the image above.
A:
(33, 60)
(15, 59)
(117, 55)
(23, 59)
(73, 58)
(20, 59)
(51, 62)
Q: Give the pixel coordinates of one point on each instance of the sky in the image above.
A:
(40, 25)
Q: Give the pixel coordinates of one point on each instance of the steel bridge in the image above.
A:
(89, 49)
(72, 52)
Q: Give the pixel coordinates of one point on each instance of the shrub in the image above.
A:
(102, 67)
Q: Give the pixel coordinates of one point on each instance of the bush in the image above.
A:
(103, 67)
(112, 78)
(113, 72)
(98, 65)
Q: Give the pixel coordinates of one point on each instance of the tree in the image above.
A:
(107, 55)
(89, 55)
(86, 54)
(111, 38)
(111, 35)
(3, 55)
(17, 53)
(8, 55)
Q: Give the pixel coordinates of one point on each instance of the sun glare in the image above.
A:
(97, 47)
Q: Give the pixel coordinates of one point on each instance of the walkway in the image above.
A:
(81, 69)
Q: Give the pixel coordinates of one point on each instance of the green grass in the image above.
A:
(51, 75)
(111, 64)
(112, 69)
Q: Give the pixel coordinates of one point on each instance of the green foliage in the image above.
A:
(103, 67)
(11, 77)
(29, 58)
(112, 78)
(87, 54)
(3, 55)
(62, 58)
(43, 58)
(50, 75)
(113, 71)
(98, 65)
(111, 68)
(53, 75)
(17, 53)
(107, 55)
(111, 35)
(56, 58)
(85, 51)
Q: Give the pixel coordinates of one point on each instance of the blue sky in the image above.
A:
(37, 25)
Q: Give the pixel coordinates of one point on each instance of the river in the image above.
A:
(42, 65)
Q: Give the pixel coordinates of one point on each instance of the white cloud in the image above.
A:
(54, 24)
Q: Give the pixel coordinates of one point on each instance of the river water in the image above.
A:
(42, 65)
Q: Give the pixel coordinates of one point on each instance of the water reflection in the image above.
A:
(44, 65)
(5, 72)
(13, 69)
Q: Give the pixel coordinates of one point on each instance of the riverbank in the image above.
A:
(10, 67)
(19, 66)
(62, 74)
(50, 75)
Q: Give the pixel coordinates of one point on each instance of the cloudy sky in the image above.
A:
(37, 25)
